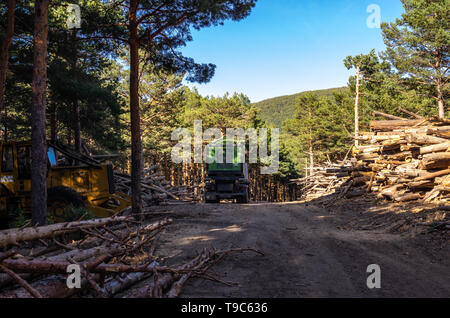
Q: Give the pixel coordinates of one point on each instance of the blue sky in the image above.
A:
(288, 46)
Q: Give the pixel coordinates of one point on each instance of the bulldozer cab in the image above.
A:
(72, 178)
(15, 173)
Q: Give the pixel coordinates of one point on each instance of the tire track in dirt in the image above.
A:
(306, 254)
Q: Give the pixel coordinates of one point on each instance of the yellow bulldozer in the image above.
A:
(73, 179)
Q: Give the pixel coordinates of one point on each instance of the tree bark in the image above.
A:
(358, 71)
(38, 137)
(377, 113)
(53, 129)
(435, 148)
(441, 100)
(311, 154)
(439, 160)
(388, 125)
(76, 105)
(13, 236)
(136, 144)
(425, 139)
(4, 55)
(410, 113)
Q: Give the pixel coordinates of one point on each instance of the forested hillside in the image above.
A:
(277, 109)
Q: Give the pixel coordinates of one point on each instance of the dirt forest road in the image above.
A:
(307, 253)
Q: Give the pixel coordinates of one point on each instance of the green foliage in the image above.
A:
(19, 219)
(229, 111)
(77, 62)
(275, 111)
(418, 46)
(72, 213)
(317, 122)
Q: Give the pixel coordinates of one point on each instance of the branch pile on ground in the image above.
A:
(327, 180)
(113, 254)
(155, 189)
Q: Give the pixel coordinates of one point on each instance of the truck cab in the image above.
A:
(226, 180)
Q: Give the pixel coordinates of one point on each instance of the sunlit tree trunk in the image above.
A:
(441, 100)
(39, 85)
(358, 71)
(311, 154)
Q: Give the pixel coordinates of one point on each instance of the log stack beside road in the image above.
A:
(399, 159)
(409, 159)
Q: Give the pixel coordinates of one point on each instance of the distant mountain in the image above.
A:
(276, 110)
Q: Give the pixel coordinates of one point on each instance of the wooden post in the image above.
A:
(358, 72)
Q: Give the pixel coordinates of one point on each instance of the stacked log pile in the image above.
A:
(408, 159)
(400, 160)
(325, 181)
(155, 189)
(112, 254)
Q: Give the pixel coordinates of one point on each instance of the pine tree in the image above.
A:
(366, 65)
(39, 143)
(418, 46)
(6, 40)
(160, 27)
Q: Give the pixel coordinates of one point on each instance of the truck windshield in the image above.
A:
(214, 152)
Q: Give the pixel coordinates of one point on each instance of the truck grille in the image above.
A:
(225, 187)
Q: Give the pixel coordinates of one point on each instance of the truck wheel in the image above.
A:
(244, 199)
(58, 199)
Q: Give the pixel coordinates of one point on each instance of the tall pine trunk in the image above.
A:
(311, 153)
(53, 128)
(136, 145)
(357, 107)
(76, 105)
(441, 100)
(39, 85)
(4, 56)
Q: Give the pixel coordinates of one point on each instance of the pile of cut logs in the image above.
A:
(111, 255)
(155, 189)
(400, 159)
(324, 181)
(409, 159)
